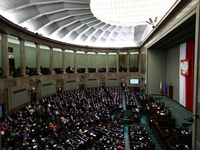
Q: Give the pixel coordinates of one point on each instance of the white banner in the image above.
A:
(182, 78)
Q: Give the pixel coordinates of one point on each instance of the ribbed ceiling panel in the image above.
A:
(69, 21)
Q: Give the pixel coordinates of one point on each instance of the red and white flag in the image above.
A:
(160, 87)
(186, 75)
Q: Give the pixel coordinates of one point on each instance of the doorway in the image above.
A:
(81, 86)
(59, 90)
(123, 85)
(11, 65)
(102, 84)
(171, 92)
(2, 110)
(33, 97)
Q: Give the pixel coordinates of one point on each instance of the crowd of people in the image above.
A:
(68, 121)
(76, 119)
(141, 95)
(115, 94)
(139, 138)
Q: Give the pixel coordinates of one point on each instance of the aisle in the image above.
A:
(123, 100)
(126, 135)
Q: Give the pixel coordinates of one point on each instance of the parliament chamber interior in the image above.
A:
(99, 75)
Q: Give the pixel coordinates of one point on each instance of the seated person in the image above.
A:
(161, 105)
(167, 113)
(120, 146)
(147, 107)
(144, 129)
(5, 127)
(140, 108)
(24, 142)
(164, 110)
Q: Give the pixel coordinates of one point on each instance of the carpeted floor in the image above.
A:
(178, 112)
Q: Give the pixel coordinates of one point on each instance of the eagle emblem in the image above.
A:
(184, 65)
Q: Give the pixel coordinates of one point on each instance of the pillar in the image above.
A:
(22, 57)
(38, 71)
(96, 61)
(107, 62)
(51, 60)
(117, 61)
(86, 63)
(128, 61)
(4, 55)
(75, 62)
(63, 61)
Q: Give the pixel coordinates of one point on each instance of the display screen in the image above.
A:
(134, 81)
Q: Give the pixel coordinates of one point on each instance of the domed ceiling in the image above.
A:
(99, 23)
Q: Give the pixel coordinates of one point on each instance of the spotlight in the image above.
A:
(30, 90)
(191, 119)
(37, 80)
(31, 80)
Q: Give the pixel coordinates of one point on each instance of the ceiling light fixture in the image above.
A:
(151, 22)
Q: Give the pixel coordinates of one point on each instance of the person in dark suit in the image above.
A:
(24, 142)
(161, 105)
(83, 145)
(167, 113)
(140, 109)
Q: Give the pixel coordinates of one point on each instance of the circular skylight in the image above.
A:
(124, 12)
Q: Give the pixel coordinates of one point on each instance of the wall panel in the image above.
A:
(45, 58)
(19, 96)
(112, 81)
(57, 59)
(156, 70)
(69, 59)
(47, 88)
(92, 82)
(70, 84)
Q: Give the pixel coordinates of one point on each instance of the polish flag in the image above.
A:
(160, 87)
(186, 75)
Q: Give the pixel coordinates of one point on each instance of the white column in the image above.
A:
(51, 60)
(86, 63)
(96, 61)
(4, 55)
(22, 58)
(75, 62)
(63, 61)
(38, 71)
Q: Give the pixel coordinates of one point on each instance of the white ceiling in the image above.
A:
(73, 22)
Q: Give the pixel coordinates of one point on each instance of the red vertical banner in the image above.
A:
(190, 77)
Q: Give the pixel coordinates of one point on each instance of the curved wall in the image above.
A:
(25, 53)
